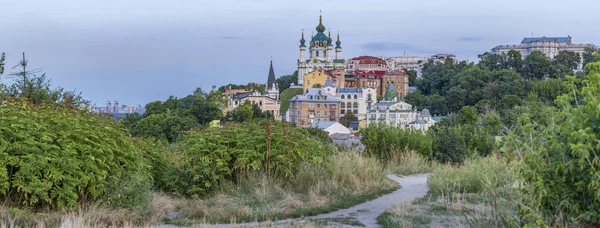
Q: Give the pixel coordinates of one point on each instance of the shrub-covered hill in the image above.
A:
(56, 156)
(286, 95)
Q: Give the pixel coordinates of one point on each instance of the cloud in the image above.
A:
(470, 39)
(394, 46)
(231, 38)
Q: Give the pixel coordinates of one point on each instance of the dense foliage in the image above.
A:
(560, 163)
(386, 142)
(206, 158)
(58, 156)
(496, 81)
(167, 120)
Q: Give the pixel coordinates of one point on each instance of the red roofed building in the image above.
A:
(373, 72)
(366, 63)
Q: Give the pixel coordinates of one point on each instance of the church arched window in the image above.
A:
(343, 105)
(343, 97)
(349, 105)
(355, 96)
(355, 104)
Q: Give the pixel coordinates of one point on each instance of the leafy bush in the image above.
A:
(560, 158)
(385, 142)
(465, 134)
(211, 156)
(56, 156)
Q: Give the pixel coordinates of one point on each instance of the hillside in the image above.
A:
(286, 95)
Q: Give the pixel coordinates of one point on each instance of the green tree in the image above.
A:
(504, 82)
(569, 59)
(317, 85)
(514, 60)
(474, 80)
(537, 66)
(241, 113)
(412, 77)
(418, 100)
(447, 145)
(286, 81)
(493, 61)
(587, 56)
(348, 118)
(467, 115)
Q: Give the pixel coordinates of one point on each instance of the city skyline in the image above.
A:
(142, 51)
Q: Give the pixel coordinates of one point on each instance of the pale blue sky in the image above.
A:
(139, 51)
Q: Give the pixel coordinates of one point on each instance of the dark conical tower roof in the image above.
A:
(271, 82)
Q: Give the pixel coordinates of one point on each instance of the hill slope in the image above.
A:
(285, 96)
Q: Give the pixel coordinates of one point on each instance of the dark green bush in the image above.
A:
(55, 156)
(206, 158)
(385, 142)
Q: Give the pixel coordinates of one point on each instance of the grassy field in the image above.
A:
(286, 95)
(346, 180)
(478, 194)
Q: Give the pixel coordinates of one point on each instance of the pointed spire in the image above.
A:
(329, 40)
(320, 27)
(271, 82)
(302, 40)
(338, 42)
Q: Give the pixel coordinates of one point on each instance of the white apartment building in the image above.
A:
(415, 62)
(550, 46)
(355, 100)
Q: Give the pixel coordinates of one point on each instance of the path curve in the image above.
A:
(412, 187)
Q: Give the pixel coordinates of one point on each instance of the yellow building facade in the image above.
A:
(313, 78)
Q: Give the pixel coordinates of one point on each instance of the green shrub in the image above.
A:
(206, 158)
(386, 143)
(56, 156)
(559, 155)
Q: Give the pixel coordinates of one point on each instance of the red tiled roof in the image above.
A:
(365, 59)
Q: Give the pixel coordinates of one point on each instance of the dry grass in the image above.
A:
(90, 216)
(411, 163)
(315, 188)
(477, 194)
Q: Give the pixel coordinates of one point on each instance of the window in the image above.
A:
(343, 111)
(260, 103)
(325, 113)
(355, 104)
(318, 113)
(236, 102)
(355, 96)
(343, 105)
(317, 53)
(348, 105)
(318, 105)
(325, 105)
(355, 111)
(343, 97)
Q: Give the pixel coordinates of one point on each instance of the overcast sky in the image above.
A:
(137, 51)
